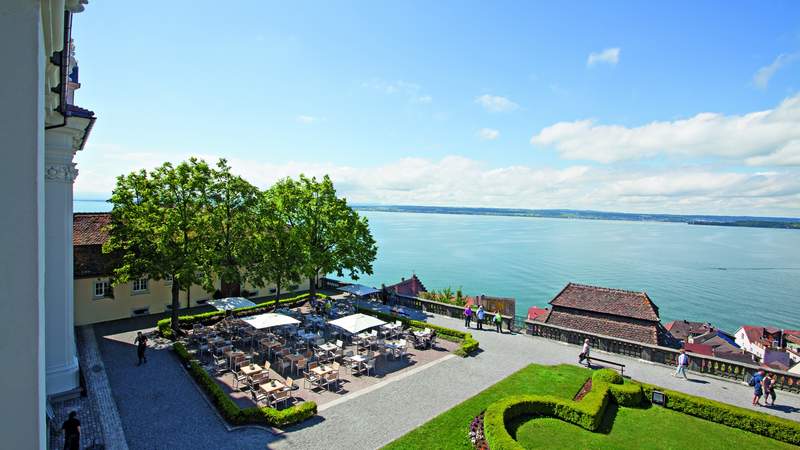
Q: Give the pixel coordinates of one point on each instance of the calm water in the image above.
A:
(728, 276)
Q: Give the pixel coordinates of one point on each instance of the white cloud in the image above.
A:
(488, 134)
(751, 135)
(306, 119)
(460, 181)
(764, 74)
(412, 91)
(607, 56)
(787, 155)
(496, 103)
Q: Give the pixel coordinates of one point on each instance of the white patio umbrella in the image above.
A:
(357, 323)
(269, 320)
(230, 303)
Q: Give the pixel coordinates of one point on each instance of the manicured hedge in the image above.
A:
(231, 411)
(628, 394)
(752, 421)
(609, 376)
(587, 413)
(468, 343)
(212, 317)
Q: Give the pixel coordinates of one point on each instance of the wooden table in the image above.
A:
(322, 370)
(249, 370)
(328, 347)
(271, 387)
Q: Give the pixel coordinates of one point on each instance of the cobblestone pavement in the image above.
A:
(161, 408)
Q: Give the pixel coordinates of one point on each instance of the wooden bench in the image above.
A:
(620, 367)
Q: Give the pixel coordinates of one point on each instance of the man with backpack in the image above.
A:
(683, 363)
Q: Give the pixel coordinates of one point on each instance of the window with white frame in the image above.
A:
(141, 311)
(140, 285)
(168, 280)
(102, 289)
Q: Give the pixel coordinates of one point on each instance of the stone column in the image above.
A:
(60, 172)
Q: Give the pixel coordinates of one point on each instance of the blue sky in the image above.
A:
(601, 105)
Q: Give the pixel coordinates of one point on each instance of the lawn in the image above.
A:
(449, 430)
(650, 427)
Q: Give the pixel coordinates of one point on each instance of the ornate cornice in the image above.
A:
(65, 173)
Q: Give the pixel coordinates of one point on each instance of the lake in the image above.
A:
(728, 276)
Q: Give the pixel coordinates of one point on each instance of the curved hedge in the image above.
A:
(587, 413)
(212, 317)
(230, 411)
(468, 343)
(609, 376)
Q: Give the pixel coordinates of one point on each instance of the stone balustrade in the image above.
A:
(733, 370)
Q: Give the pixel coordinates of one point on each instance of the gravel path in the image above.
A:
(161, 408)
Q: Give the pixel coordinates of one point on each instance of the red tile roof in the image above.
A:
(681, 329)
(596, 323)
(411, 287)
(617, 302)
(536, 313)
(700, 349)
(89, 228)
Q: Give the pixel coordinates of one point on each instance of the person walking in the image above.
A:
(683, 363)
(584, 355)
(498, 322)
(141, 346)
(769, 389)
(481, 314)
(72, 432)
(758, 387)
(467, 316)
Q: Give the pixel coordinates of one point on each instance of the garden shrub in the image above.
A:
(209, 318)
(260, 415)
(752, 421)
(609, 376)
(628, 394)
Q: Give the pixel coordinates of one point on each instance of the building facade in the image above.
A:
(41, 131)
(98, 300)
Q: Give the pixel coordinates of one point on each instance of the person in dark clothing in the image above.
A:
(72, 432)
(141, 346)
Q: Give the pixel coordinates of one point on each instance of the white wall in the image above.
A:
(22, 424)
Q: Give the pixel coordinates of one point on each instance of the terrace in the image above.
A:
(301, 354)
(375, 410)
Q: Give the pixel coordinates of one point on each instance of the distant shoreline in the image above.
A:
(728, 221)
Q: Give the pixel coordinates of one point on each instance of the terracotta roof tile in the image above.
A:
(538, 314)
(620, 327)
(412, 287)
(617, 302)
(89, 228)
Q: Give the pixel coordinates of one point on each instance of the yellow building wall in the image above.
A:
(90, 309)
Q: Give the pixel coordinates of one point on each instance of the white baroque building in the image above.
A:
(40, 132)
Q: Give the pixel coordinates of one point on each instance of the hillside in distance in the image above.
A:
(733, 221)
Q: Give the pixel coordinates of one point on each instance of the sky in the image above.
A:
(679, 107)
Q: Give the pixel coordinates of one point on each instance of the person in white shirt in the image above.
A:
(584, 352)
(683, 363)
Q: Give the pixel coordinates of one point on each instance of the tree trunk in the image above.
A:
(176, 289)
(312, 288)
(189, 297)
(277, 292)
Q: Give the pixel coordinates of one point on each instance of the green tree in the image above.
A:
(335, 238)
(157, 223)
(276, 252)
(231, 202)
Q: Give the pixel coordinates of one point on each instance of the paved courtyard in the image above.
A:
(160, 407)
